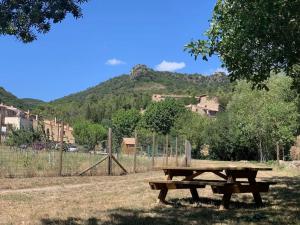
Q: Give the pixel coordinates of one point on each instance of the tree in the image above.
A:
(23, 137)
(124, 123)
(24, 18)
(193, 127)
(160, 116)
(256, 120)
(253, 39)
(90, 134)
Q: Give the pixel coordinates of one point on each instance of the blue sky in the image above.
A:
(112, 37)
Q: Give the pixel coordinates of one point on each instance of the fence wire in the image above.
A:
(150, 152)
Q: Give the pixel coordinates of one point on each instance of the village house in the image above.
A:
(53, 128)
(206, 105)
(14, 118)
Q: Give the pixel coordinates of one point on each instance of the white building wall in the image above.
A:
(18, 123)
(13, 121)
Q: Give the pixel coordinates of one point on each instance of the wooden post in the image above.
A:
(167, 147)
(135, 152)
(109, 146)
(56, 124)
(0, 129)
(61, 147)
(187, 153)
(153, 149)
(277, 152)
(176, 151)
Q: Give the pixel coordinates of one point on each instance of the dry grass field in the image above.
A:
(128, 200)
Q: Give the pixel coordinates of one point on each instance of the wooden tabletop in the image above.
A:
(216, 168)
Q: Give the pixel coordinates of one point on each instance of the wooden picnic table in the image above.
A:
(229, 181)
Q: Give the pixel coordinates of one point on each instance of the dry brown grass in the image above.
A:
(129, 200)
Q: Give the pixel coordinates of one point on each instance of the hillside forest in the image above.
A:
(253, 124)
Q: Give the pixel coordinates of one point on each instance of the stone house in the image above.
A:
(53, 128)
(206, 105)
(14, 118)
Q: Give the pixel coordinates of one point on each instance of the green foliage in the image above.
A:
(254, 38)
(90, 134)
(24, 19)
(125, 122)
(23, 137)
(160, 117)
(193, 127)
(255, 121)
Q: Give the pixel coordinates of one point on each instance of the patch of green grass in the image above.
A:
(16, 197)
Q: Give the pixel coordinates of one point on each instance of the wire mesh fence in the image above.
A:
(147, 152)
(30, 163)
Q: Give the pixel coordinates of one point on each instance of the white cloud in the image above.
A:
(170, 66)
(114, 62)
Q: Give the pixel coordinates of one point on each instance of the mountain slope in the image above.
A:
(143, 80)
(8, 98)
(132, 91)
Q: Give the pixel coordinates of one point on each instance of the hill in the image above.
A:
(132, 90)
(10, 99)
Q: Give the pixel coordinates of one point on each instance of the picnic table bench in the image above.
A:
(229, 183)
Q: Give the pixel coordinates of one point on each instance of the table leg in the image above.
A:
(195, 195)
(256, 194)
(257, 199)
(230, 178)
(162, 196)
(225, 201)
(163, 192)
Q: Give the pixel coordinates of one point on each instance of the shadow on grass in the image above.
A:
(282, 206)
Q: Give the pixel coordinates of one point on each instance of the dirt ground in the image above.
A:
(129, 200)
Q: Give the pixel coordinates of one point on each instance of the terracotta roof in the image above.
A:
(129, 141)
